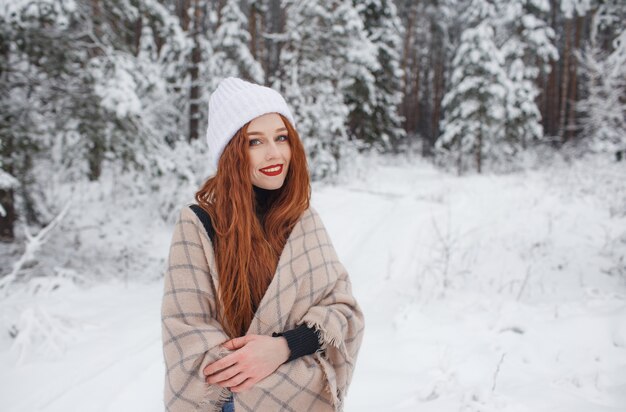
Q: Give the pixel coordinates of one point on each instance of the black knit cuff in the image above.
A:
(301, 341)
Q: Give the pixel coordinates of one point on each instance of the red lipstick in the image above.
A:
(273, 170)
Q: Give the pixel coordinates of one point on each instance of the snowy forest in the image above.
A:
(100, 85)
(475, 150)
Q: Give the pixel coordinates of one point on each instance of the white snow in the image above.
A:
(481, 293)
(7, 181)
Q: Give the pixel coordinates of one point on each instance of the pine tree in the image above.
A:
(374, 98)
(127, 111)
(326, 49)
(474, 105)
(8, 184)
(574, 12)
(35, 89)
(231, 45)
(99, 98)
(604, 109)
(527, 45)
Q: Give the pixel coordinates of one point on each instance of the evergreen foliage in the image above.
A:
(375, 97)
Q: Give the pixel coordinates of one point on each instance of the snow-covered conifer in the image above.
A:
(327, 49)
(473, 126)
(231, 45)
(604, 109)
(374, 98)
(527, 45)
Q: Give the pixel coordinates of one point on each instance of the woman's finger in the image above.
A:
(223, 375)
(245, 385)
(234, 381)
(236, 343)
(218, 365)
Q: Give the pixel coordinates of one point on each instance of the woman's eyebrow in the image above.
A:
(282, 129)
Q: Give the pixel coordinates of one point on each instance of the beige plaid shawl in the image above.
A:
(310, 286)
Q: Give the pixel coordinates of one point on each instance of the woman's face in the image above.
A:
(269, 150)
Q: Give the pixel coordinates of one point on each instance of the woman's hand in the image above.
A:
(254, 358)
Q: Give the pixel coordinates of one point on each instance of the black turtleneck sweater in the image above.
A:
(302, 340)
(263, 198)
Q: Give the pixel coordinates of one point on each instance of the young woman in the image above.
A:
(258, 312)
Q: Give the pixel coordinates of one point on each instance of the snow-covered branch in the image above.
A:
(32, 247)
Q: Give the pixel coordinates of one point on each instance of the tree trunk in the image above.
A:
(437, 96)
(573, 95)
(97, 18)
(273, 22)
(565, 81)
(7, 222)
(96, 13)
(417, 83)
(253, 30)
(28, 209)
(95, 156)
(551, 112)
(552, 101)
(220, 7)
(181, 11)
(7, 196)
(479, 151)
(407, 67)
(459, 159)
(137, 35)
(194, 71)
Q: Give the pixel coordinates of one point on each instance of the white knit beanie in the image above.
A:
(233, 104)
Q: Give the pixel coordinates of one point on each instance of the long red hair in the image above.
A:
(247, 250)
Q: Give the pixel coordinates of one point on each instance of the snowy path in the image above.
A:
(480, 294)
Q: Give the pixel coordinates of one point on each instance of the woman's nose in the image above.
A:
(272, 151)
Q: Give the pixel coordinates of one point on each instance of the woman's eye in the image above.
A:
(282, 138)
(254, 142)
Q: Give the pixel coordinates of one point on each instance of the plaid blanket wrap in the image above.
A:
(310, 286)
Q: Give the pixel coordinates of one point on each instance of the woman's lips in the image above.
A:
(273, 170)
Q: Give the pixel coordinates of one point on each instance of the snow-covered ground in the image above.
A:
(481, 293)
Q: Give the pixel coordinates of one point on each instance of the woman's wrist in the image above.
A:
(282, 348)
